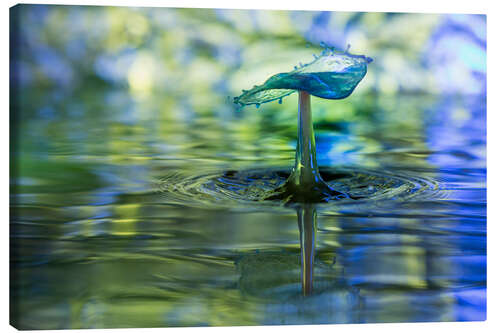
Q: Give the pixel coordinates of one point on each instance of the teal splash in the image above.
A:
(332, 75)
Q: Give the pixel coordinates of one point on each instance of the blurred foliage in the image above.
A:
(198, 57)
(85, 78)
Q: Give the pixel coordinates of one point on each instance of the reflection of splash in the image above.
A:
(306, 216)
(310, 287)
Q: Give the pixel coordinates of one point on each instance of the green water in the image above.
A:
(128, 217)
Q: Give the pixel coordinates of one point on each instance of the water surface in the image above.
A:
(123, 215)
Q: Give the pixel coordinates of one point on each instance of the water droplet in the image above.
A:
(295, 67)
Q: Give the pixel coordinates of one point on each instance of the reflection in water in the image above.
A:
(96, 244)
(306, 216)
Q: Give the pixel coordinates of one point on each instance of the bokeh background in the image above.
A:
(107, 100)
(198, 57)
(133, 67)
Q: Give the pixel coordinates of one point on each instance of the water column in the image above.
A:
(305, 183)
(305, 172)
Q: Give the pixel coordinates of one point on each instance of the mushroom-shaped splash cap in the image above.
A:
(333, 75)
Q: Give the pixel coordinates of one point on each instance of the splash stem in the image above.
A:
(305, 172)
(305, 183)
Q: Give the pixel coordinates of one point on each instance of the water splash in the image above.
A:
(245, 189)
(332, 75)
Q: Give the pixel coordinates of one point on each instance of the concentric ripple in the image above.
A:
(250, 187)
